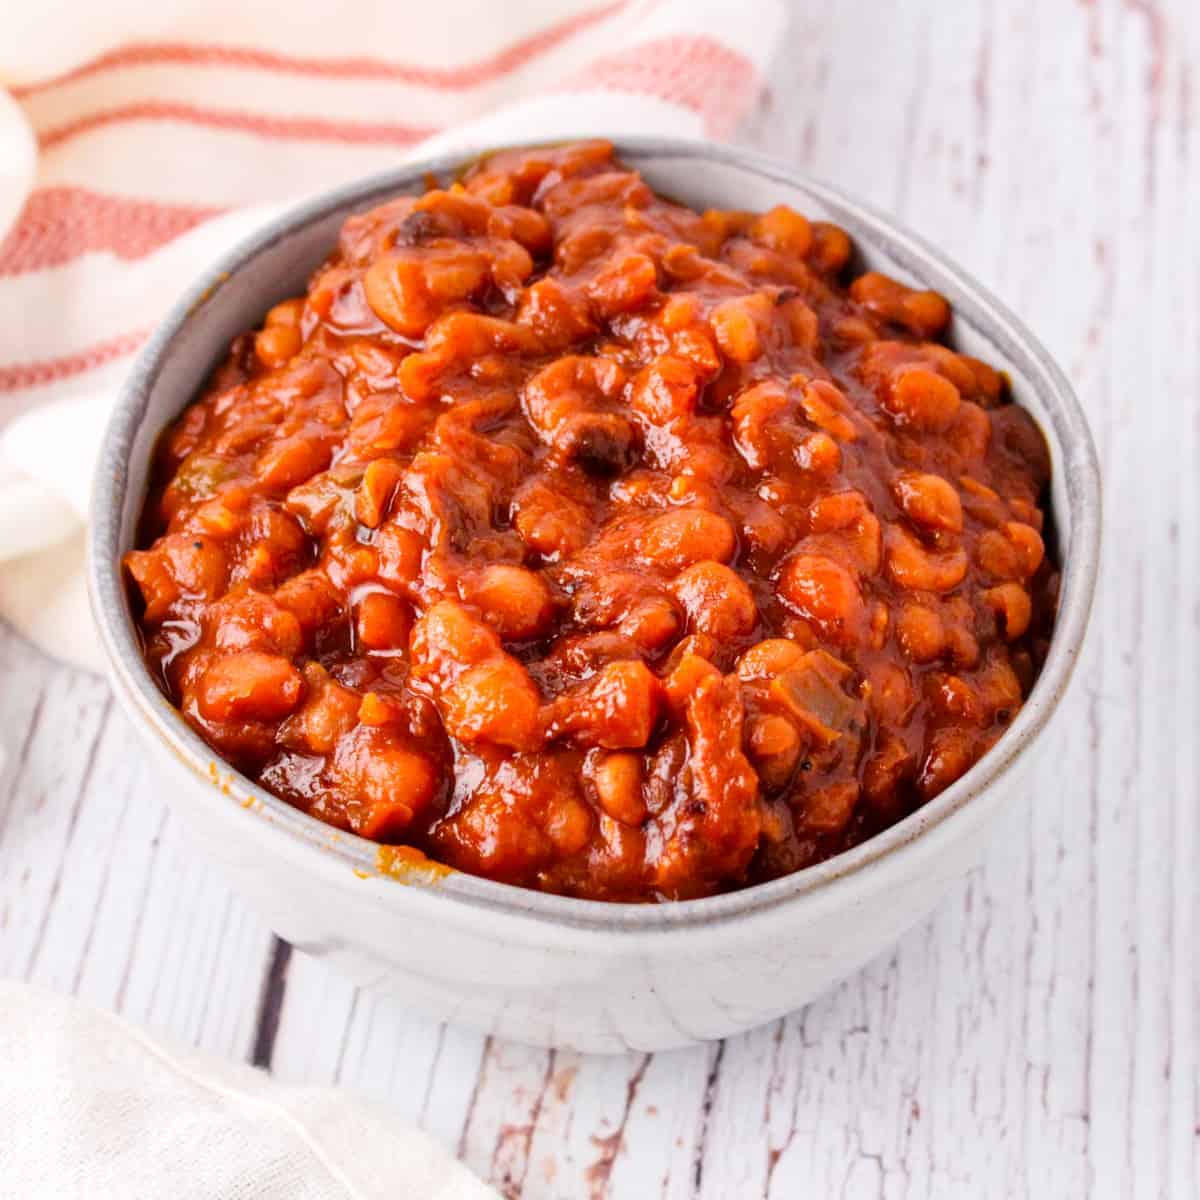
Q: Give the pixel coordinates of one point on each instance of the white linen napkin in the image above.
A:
(156, 126)
(93, 1108)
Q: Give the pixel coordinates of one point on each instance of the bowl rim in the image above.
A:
(972, 305)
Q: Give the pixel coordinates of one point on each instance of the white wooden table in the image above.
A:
(1038, 1036)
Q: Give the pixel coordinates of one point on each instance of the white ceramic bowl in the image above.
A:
(517, 963)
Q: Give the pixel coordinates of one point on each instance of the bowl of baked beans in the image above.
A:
(601, 593)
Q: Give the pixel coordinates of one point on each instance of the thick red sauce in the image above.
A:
(586, 542)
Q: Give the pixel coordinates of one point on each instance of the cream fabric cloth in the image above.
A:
(93, 1108)
(140, 136)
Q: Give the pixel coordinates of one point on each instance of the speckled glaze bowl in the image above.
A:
(517, 963)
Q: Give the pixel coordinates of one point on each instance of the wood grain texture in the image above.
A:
(1039, 1035)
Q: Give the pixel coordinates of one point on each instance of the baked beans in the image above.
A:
(583, 541)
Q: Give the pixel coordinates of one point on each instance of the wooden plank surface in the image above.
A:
(1038, 1036)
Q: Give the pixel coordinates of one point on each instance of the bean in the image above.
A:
(249, 620)
(831, 248)
(569, 404)
(617, 778)
(527, 226)
(683, 536)
(849, 514)
(774, 747)
(737, 325)
(571, 384)
(825, 406)
(1028, 544)
(919, 397)
(454, 212)
(276, 344)
(249, 686)
(627, 285)
(291, 461)
(327, 713)
(954, 698)
(949, 754)
(215, 517)
(970, 432)
(349, 563)
(495, 702)
(974, 379)
(577, 250)
(819, 453)
(880, 622)
(389, 783)
(929, 501)
(925, 314)
(1012, 605)
(698, 645)
(755, 415)
(963, 647)
(288, 313)
(180, 565)
(383, 622)
(915, 567)
(455, 338)
(665, 390)
(568, 824)
(768, 658)
(199, 565)
(997, 555)
(448, 638)
(828, 810)
(550, 523)
(785, 230)
(511, 264)
(483, 694)
(884, 771)
(681, 309)
(1025, 511)
(514, 601)
(686, 676)
(980, 502)
(891, 696)
(717, 600)
(312, 599)
(998, 687)
(651, 624)
(556, 316)
(764, 532)
(853, 331)
(395, 289)
(824, 593)
(695, 345)
(617, 708)
(410, 289)
(802, 323)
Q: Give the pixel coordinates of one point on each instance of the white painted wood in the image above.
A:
(99, 892)
(1039, 1035)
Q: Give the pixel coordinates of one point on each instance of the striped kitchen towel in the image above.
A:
(137, 140)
